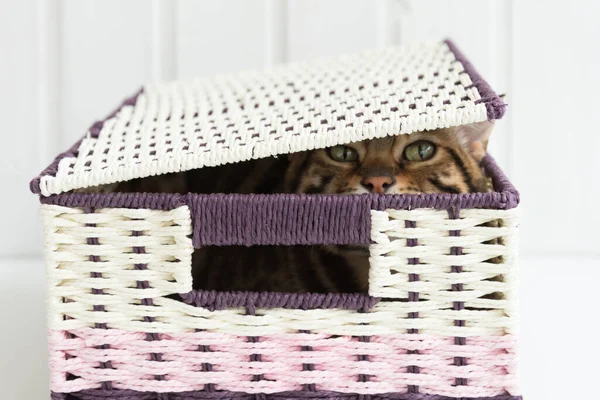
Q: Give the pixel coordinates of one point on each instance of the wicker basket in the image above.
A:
(439, 320)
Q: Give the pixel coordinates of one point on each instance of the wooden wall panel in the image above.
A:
(20, 104)
(555, 110)
(215, 37)
(106, 55)
(324, 28)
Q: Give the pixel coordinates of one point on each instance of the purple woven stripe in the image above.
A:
(493, 103)
(280, 219)
(93, 131)
(303, 301)
(222, 395)
(51, 170)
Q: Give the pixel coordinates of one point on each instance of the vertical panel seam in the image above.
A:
(382, 22)
(510, 141)
(275, 32)
(459, 361)
(164, 41)
(413, 297)
(49, 55)
(94, 241)
(156, 357)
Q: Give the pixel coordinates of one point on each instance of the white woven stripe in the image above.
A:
(166, 256)
(211, 121)
(385, 318)
(390, 267)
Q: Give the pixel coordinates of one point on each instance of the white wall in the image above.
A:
(67, 63)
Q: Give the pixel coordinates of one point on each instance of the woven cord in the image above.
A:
(257, 357)
(309, 387)
(147, 302)
(94, 241)
(124, 262)
(413, 297)
(454, 213)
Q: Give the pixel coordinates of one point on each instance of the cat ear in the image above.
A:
(474, 137)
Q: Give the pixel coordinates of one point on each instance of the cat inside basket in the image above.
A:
(438, 161)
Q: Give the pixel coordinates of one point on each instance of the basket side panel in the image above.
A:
(112, 259)
(486, 237)
(113, 331)
(455, 267)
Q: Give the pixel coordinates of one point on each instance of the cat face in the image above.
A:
(443, 160)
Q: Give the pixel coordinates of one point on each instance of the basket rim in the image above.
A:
(505, 196)
(292, 219)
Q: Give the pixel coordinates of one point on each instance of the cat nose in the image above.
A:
(377, 184)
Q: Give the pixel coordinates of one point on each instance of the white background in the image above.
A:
(64, 64)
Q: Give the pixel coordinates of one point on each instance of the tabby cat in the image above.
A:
(443, 160)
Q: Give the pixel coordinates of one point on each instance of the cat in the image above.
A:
(438, 161)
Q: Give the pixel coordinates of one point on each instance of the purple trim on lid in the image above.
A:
(96, 394)
(493, 103)
(303, 301)
(292, 219)
(34, 184)
(93, 131)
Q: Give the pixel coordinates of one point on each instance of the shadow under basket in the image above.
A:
(439, 321)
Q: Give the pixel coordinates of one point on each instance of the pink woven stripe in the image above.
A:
(337, 363)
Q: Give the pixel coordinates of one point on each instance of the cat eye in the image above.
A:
(419, 151)
(342, 153)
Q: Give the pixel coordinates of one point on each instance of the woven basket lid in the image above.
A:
(182, 125)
